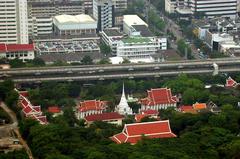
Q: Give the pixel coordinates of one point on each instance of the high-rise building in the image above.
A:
(13, 22)
(104, 13)
(22, 21)
(211, 8)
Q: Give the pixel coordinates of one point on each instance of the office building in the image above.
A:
(103, 12)
(211, 8)
(40, 14)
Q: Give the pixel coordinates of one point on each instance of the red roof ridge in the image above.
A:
(154, 134)
(159, 121)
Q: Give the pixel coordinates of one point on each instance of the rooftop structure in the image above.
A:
(123, 107)
(133, 25)
(90, 107)
(133, 20)
(70, 19)
(231, 83)
(143, 30)
(146, 113)
(159, 98)
(30, 111)
(54, 109)
(74, 25)
(132, 133)
(112, 117)
(110, 37)
(199, 106)
(187, 109)
(61, 46)
(21, 51)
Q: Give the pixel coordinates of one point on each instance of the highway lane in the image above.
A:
(125, 75)
(72, 74)
(100, 68)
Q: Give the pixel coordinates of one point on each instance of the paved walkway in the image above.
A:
(14, 126)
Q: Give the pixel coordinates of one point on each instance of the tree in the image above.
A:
(183, 48)
(69, 116)
(11, 98)
(86, 60)
(38, 62)
(104, 61)
(25, 126)
(126, 61)
(16, 63)
(5, 87)
(105, 49)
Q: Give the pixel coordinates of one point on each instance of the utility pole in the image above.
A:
(147, 9)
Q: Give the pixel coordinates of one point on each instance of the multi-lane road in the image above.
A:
(105, 72)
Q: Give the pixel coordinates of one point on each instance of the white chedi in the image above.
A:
(123, 107)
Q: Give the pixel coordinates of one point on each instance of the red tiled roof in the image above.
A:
(120, 138)
(186, 108)
(149, 112)
(37, 108)
(134, 132)
(16, 47)
(159, 96)
(24, 102)
(139, 117)
(92, 105)
(54, 109)
(199, 106)
(42, 119)
(104, 116)
(27, 110)
(24, 93)
(231, 83)
(3, 47)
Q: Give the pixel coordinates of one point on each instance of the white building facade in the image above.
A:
(138, 47)
(13, 22)
(211, 8)
(40, 14)
(74, 25)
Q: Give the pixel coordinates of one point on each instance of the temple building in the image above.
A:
(111, 117)
(159, 98)
(90, 107)
(132, 133)
(123, 107)
(231, 83)
(147, 113)
(29, 110)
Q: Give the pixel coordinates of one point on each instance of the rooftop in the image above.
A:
(145, 32)
(89, 105)
(16, 47)
(112, 32)
(159, 96)
(133, 20)
(132, 133)
(104, 117)
(54, 109)
(69, 19)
